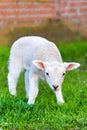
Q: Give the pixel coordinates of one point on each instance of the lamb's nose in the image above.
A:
(55, 87)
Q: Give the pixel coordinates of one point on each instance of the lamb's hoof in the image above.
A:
(61, 103)
(31, 103)
(13, 93)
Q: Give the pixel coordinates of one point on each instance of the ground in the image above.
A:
(46, 114)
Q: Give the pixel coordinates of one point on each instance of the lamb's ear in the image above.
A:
(40, 64)
(71, 65)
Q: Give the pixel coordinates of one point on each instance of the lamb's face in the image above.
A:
(54, 75)
(54, 72)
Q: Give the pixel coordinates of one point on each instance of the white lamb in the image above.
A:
(40, 59)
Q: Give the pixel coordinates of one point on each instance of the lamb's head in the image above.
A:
(55, 72)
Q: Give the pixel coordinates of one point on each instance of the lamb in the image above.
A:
(40, 59)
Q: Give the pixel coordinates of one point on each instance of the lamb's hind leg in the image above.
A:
(13, 75)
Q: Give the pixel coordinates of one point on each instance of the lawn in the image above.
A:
(46, 114)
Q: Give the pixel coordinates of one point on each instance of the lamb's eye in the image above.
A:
(63, 74)
(47, 73)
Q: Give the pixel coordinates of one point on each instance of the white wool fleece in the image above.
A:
(40, 59)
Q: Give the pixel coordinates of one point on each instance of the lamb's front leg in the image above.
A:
(59, 96)
(33, 88)
(27, 83)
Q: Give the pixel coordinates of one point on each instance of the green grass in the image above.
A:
(16, 114)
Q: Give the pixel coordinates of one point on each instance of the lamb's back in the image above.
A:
(36, 48)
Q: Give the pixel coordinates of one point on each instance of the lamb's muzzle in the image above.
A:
(55, 87)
